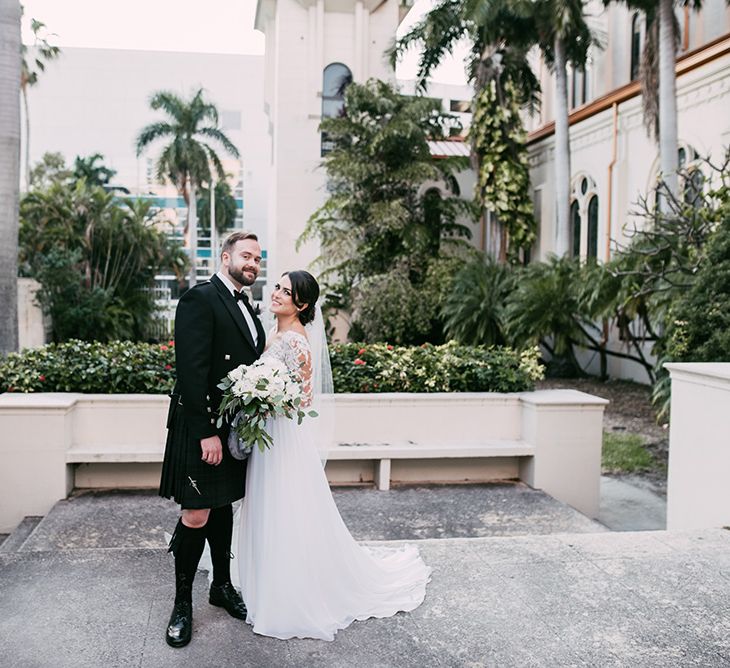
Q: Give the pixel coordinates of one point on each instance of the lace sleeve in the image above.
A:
(299, 360)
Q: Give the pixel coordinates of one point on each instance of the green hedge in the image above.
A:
(377, 367)
(119, 367)
(123, 367)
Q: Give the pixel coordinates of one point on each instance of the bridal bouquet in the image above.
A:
(253, 393)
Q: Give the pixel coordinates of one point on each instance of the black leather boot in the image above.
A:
(225, 596)
(180, 626)
(187, 546)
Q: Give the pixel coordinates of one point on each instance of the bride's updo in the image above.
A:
(304, 290)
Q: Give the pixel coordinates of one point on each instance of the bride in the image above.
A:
(301, 572)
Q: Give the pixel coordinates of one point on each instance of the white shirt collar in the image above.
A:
(227, 282)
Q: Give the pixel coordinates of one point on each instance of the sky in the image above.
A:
(177, 25)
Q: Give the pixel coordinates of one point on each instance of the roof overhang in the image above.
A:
(265, 9)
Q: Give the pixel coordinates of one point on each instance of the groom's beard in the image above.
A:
(240, 277)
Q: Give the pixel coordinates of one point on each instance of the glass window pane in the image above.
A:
(575, 225)
(332, 108)
(593, 227)
(635, 46)
(336, 78)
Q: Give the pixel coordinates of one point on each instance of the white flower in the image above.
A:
(237, 373)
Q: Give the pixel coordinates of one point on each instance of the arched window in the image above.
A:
(575, 228)
(336, 78)
(584, 217)
(693, 186)
(635, 45)
(592, 250)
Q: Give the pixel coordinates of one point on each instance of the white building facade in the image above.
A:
(613, 160)
(308, 41)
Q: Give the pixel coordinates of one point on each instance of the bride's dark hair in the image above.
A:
(304, 290)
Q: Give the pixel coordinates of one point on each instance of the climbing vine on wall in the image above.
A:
(503, 180)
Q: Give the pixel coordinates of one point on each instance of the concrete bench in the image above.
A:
(383, 454)
(549, 439)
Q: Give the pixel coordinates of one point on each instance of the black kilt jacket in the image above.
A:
(211, 339)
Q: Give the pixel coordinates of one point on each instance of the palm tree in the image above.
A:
(501, 33)
(10, 68)
(508, 28)
(564, 38)
(43, 52)
(93, 169)
(659, 82)
(187, 158)
(668, 134)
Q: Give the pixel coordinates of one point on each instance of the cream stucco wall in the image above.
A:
(302, 39)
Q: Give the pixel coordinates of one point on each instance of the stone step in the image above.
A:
(21, 533)
(140, 518)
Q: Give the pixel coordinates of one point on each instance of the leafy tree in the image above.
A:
(93, 170)
(49, 169)
(501, 34)
(380, 211)
(33, 65)
(699, 323)
(225, 207)
(390, 307)
(96, 259)
(190, 132)
(662, 266)
(546, 309)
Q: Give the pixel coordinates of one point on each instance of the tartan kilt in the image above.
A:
(213, 486)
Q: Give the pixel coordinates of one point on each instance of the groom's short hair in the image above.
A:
(233, 238)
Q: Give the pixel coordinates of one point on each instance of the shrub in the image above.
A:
(119, 367)
(123, 367)
(427, 368)
(396, 308)
(699, 328)
(474, 311)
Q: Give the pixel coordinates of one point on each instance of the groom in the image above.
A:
(216, 330)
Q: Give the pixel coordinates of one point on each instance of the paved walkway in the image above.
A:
(91, 586)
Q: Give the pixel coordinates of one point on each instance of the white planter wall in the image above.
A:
(551, 439)
(698, 493)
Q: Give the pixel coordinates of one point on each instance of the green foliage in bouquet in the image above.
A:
(254, 393)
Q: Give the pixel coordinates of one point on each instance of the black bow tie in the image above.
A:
(240, 295)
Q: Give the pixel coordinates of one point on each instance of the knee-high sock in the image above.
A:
(187, 545)
(219, 534)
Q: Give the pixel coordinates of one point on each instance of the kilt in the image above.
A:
(187, 478)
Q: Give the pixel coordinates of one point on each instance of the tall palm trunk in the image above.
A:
(562, 150)
(193, 232)
(668, 140)
(10, 65)
(27, 137)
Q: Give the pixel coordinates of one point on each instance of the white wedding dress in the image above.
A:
(301, 572)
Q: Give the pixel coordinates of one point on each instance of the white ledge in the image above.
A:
(347, 451)
(711, 374)
(561, 398)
